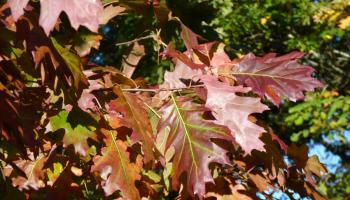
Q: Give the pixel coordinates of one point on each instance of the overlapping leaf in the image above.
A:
(175, 78)
(274, 77)
(73, 63)
(129, 111)
(109, 12)
(17, 7)
(116, 169)
(80, 12)
(188, 141)
(84, 41)
(190, 135)
(34, 171)
(77, 136)
(233, 111)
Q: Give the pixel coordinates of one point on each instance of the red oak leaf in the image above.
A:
(34, 171)
(80, 12)
(129, 111)
(190, 135)
(276, 76)
(76, 136)
(173, 79)
(186, 57)
(189, 37)
(109, 12)
(17, 7)
(233, 111)
(116, 169)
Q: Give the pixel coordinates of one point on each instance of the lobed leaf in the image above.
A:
(190, 135)
(274, 77)
(77, 136)
(116, 169)
(34, 171)
(129, 111)
(233, 111)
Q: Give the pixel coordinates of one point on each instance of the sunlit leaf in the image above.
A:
(191, 136)
(116, 169)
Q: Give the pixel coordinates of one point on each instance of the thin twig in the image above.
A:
(160, 89)
(135, 40)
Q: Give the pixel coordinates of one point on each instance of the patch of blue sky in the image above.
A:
(280, 195)
(331, 161)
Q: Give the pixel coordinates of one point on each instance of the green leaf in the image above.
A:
(72, 61)
(77, 137)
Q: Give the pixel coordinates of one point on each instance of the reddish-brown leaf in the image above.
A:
(129, 111)
(189, 37)
(186, 57)
(190, 135)
(314, 167)
(274, 77)
(226, 189)
(261, 183)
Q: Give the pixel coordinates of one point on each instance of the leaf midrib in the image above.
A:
(121, 160)
(187, 134)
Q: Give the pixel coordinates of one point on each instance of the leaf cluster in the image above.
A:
(73, 129)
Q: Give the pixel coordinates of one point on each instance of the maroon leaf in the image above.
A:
(189, 135)
(276, 76)
(189, 37)
(233, 111)
(283, 145)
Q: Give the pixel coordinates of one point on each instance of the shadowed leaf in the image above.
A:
(77, 137)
